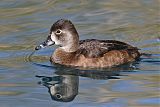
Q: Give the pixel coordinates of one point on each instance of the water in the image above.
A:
(25, 23)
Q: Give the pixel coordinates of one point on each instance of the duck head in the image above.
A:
(64, 34)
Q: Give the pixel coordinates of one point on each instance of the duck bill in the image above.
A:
(48, 42)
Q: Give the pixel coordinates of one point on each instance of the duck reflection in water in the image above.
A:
(63, 85)
(62, 88)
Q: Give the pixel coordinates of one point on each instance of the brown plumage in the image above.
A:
(87, 53)
(97, 53)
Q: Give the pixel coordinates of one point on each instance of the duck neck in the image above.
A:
(72, 46)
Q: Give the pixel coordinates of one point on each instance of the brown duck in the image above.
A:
(86, 53)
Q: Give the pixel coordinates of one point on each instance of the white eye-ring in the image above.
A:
(59, 96)
(58, 32)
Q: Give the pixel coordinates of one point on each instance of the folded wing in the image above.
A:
(93, 48)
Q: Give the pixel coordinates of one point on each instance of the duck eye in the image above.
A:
(59, 96)
(58, 31)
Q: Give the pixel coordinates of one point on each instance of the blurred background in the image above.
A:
(26, 23)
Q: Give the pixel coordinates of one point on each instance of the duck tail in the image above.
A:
(146, 54)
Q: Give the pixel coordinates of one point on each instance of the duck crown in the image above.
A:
(62, 24)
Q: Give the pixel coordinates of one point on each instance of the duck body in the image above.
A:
(97, 53)
(89, 52)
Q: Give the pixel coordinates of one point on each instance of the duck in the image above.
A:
(92, 53)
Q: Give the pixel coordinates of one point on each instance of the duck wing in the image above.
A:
(93, 48)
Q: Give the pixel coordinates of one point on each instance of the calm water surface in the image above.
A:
(25, 23)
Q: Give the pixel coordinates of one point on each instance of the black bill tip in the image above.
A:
(38, 47)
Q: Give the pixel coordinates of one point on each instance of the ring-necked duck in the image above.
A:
(86, 53)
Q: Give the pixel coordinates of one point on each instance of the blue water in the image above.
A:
(35, 82)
